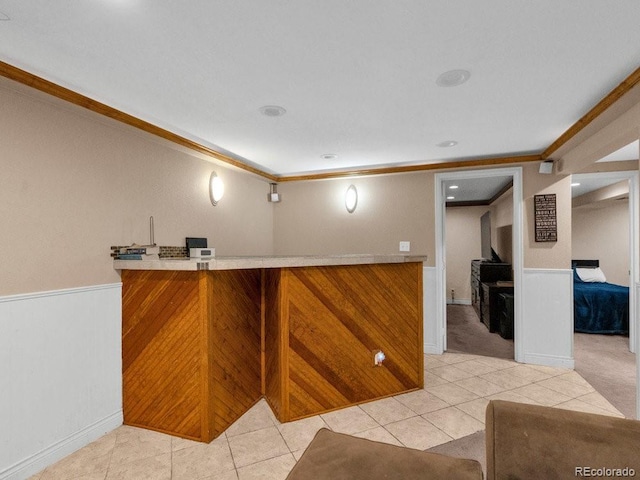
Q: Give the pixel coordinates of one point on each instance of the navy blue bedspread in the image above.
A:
(601, 308)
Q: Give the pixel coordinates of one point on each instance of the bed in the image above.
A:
(599, 307)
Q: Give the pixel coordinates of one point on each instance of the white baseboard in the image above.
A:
(462, 301)
(431, 349)
(39, 461)
(549, 361)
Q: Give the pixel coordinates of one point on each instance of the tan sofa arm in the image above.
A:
(530, 442)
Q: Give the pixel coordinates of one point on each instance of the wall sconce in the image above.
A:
(351, 199)
(216, 188)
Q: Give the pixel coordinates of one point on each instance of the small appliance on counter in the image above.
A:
(202, 252)
(197, 248)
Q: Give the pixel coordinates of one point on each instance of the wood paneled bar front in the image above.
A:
(205, 340)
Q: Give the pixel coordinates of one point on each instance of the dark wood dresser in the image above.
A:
(491, 306)
(486, 272)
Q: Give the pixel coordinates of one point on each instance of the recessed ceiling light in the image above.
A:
(453, 78)
(4, 17)
(453, 187)
(272, 111)
(450, 198)
(329, 156)
(447, 143)
(575, 184)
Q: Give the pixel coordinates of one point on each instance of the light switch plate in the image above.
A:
(405, 246)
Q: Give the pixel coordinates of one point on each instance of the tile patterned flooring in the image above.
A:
(452, 405)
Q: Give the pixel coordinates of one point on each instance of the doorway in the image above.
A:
(604, 232)
(596, 221)
(442, 180)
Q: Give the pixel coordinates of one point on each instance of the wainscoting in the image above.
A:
(636, 332)
(430, 312)
(61, 370)
(547, 337)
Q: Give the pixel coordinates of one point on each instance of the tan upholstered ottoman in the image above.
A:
(337, 456)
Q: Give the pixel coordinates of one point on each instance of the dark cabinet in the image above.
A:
(491, 305)
(506, 315)
(486, 272)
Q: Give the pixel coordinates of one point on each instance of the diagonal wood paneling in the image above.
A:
(191, 349)
(161, 351)
(236, 347)
(337, 316)
(275, 340)
(196, 345)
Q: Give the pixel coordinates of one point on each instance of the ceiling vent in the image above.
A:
(453, 78)
(272, 111)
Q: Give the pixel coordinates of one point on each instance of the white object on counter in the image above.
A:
(202, 252)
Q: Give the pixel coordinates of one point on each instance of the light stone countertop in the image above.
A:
(239, 263)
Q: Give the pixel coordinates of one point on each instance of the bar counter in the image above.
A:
(273, 261)
(204, 340)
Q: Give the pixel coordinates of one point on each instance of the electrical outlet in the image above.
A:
(405, 246)
(378, 357)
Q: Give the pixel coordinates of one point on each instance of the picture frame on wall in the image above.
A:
(545, 217)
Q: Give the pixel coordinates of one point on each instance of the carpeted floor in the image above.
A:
(607, 364)
(467, 334)
(603, 360)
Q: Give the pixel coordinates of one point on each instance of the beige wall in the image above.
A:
(601, 231)
(312, 219)
(502, 226)
(551, 255)
(74, 183)
(463, 245)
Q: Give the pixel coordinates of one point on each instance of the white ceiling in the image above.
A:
(475, 189)
(589, 182)
(485, 188)
(628, 152)
(357, 77)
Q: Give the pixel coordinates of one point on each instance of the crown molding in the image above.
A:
(625, 86)
(483, 162)
(39, 83)
(46, 86)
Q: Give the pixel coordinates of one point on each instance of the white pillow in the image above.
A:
(591, 275)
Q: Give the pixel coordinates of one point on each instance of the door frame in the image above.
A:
(517, 251)
(634, 245)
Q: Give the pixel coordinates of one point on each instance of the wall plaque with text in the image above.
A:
(545, 217)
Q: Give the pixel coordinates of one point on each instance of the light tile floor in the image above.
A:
(452, 405)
